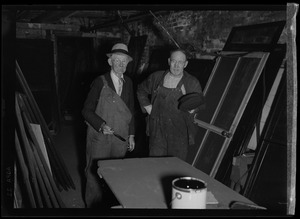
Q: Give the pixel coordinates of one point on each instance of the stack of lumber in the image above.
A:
(41, 169)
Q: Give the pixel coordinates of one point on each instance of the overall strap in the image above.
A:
(104, 80)
(180, 87)
(158, 82)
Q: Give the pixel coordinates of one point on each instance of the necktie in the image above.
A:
(120, 86)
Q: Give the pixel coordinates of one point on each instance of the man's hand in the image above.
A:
(106, 130)
(192, 111)
(131, 143)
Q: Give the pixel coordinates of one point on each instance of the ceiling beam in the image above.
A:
(51, 16)
(22, 13)
(118, 22)
(43, 26)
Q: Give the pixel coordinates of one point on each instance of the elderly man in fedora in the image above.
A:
(109, 113)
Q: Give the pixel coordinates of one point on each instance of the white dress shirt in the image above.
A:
(116, 81)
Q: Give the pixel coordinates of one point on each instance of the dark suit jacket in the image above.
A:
(91, 101)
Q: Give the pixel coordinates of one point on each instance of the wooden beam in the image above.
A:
(31, 34)
(44, 26)
(51, 16)
(91, 35)
(118, 22)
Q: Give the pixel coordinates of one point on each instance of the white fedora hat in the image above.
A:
(120, 48)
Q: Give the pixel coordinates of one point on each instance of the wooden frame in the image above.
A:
(228, 91)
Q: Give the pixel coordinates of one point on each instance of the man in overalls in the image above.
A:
(170, 130)
(108, 110)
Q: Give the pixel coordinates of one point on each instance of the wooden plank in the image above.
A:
(52, 189)
(44, 181)
(40, 180)
(36, 128)
(32, 174)
(24, 100)
(43, 167)
(25, 113)
(57, 169)
(24, 171)
(49, 142)
(18, 198)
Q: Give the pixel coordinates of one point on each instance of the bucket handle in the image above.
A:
(177, 195)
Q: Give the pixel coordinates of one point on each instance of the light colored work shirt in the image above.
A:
(118, 82)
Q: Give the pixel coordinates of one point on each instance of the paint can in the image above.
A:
(188, 192)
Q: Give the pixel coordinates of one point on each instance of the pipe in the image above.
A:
(125, 24)
(212, 128)
(167, 32)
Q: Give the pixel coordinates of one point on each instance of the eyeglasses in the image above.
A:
(180, 63)
(118, 62)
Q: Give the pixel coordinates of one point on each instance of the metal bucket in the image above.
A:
(188, 192)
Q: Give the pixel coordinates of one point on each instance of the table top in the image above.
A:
(147, 182)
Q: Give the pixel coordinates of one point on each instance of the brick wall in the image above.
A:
(199, 31)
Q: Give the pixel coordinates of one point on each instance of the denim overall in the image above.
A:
(167, 124)
(99, 146)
